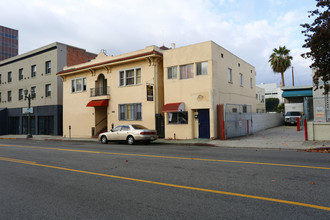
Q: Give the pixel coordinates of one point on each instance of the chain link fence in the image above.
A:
(238, 120)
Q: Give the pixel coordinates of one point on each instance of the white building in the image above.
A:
(272, 91)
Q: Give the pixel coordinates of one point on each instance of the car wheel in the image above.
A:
(104, 139)
(130, 140)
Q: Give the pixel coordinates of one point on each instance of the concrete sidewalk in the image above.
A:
(283, 137)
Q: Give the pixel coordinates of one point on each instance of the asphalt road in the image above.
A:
(81, 180)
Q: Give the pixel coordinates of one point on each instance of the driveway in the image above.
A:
(282, 137)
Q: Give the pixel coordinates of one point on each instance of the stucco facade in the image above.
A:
(187, 84)
(260, 99)
(120, 84)
(226, 79)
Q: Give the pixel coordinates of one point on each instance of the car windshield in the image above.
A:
(138, 127)
(293, 114)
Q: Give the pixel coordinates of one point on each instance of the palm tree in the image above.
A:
(280, 61)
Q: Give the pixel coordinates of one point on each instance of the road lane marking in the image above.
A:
(169, 184)
(169, 157)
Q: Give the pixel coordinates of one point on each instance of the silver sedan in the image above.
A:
(129, 133)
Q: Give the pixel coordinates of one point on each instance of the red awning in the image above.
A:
(174, 107)
(102, 102)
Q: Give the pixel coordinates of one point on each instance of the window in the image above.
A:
(263, 99)
(48, 90)
(230, 75)
(9, 77)
(33, 71)
(172, 72)
(201, 68)
(244, 109)
(20, 94)
(0, 97)
(9, 96)
(257, 96)
(130, 77)
(78, 85)
(0, 79)
(241, 79)
(186, 71)
(129, 112)
(33, 92)
(251, 83)
(48, 67)
(178, 117)
(20, 74)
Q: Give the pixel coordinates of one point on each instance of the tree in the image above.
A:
(280, 61)
(271, 104)
(318, 41)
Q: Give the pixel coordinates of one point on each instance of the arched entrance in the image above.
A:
(101, 86)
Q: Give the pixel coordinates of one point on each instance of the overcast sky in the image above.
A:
(248, 28)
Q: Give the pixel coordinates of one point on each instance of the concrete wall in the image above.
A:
(318, 131)
(262, 121)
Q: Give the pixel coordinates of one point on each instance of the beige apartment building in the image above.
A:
(35, 72)
(173, 90)
(113, 90)
(198, 78)
(260, 98)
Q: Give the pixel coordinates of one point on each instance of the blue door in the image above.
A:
(204, 123)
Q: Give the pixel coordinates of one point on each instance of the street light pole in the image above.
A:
(28, 97)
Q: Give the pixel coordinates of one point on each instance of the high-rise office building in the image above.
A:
(8, 43)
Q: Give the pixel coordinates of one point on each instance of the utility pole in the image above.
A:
(292, 77)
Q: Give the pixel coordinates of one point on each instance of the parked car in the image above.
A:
(291, 117)
(129, 134)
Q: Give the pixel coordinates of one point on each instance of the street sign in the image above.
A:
(27, 110)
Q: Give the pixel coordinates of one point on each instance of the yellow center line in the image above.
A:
(170, 185)
(169, 157)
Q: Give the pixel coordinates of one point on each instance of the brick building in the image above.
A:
(8, 43)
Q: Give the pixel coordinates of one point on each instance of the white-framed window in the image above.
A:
(48, 90)
(20, 94)
(20, 74)
(130, 112)
(33, 71)
(48, 67)
(33, 91)
(230, 75)
(251, 83)
(9, 96)
(178, 117)
(201, 68)
(187, 71)
(241, 79)
(172, 72)
(78, 85)
(130, 77)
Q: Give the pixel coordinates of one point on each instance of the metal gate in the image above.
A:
(238, 120)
